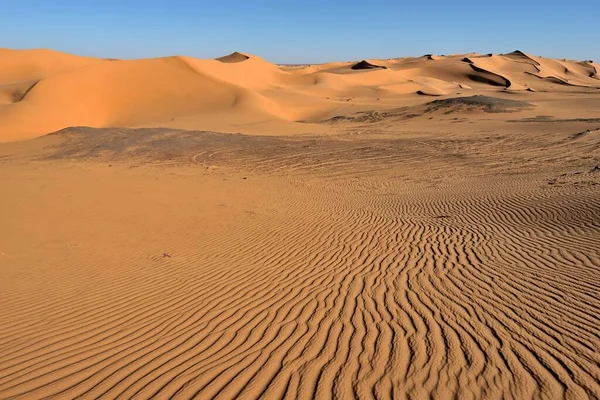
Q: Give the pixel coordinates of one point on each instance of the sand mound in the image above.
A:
(366, 65)
(233, 58)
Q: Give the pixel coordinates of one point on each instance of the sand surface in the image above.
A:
(356, 239)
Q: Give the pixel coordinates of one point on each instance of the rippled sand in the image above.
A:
(441, 261)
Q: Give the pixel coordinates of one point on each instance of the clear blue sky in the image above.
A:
(302, 31)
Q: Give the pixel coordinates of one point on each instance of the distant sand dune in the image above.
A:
(491, 78)
(42, 91)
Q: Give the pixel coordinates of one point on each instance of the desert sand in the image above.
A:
(423, 228)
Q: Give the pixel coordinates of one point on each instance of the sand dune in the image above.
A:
(244, 91)
(127, 93)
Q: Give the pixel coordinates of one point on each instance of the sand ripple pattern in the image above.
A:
(378, 297)
(353, 289)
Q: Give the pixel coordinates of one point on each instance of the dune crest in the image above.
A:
(31, 65)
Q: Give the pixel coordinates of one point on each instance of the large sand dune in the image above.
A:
(424, 248)
(42, 91)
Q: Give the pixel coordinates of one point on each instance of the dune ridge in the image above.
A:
(63, 90)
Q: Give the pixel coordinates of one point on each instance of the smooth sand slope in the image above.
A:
(423, 247)
(243, 93)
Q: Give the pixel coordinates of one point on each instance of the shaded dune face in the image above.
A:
(234, 57)
(238, 92)
(366, 65)
(487, 77)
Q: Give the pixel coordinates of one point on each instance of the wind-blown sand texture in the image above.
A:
(407, 247)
